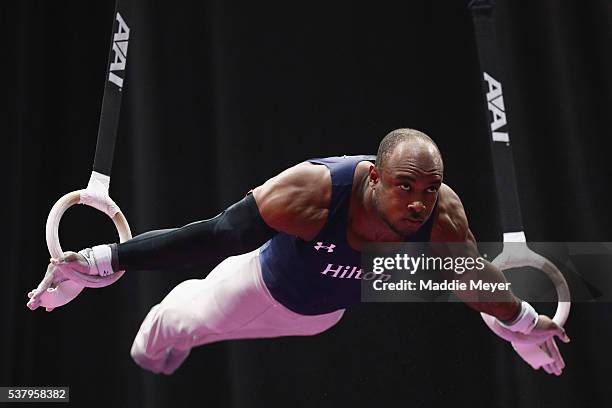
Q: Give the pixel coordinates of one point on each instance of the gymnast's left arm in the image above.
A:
(238, 229)
(452, 232)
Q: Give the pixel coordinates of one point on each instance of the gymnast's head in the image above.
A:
(406, 179)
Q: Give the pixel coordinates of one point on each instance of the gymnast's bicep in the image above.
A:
(296, 201)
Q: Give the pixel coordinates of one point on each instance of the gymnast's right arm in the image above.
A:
(277, 205)
(237, 230)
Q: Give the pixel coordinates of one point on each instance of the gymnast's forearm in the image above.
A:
(502, 304)
(504, 311)
(238, 229)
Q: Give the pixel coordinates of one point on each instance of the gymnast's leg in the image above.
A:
(232, 302)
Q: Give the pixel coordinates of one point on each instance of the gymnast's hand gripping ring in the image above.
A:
(95, 195)
(518, 255)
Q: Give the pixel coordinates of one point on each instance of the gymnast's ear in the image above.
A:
(373, 174)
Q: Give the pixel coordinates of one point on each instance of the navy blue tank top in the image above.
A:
(322, 275)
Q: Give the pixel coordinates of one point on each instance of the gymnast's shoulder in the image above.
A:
(296, 200)
(450, 220)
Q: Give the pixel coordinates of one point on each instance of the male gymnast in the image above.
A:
(283, 244)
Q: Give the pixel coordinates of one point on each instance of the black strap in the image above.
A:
(492, 78)
(115, 80)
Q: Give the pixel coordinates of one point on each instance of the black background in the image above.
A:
(222, 95)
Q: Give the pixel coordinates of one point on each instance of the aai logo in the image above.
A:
(120, 47)
(495, 103)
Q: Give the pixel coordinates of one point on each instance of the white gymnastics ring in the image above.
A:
(55, 249)
(68, 282)
(519, 257)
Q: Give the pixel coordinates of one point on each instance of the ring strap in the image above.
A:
(499, 136)
(111, 102)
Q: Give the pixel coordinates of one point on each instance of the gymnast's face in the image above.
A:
(406, 187)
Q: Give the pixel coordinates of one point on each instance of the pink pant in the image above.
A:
(232, 302)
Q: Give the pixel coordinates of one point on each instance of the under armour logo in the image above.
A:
(329, 248)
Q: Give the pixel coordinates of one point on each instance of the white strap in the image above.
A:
(103, 257)
(525, 322)
(515, 236)
(99, 259)
(96, 194)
